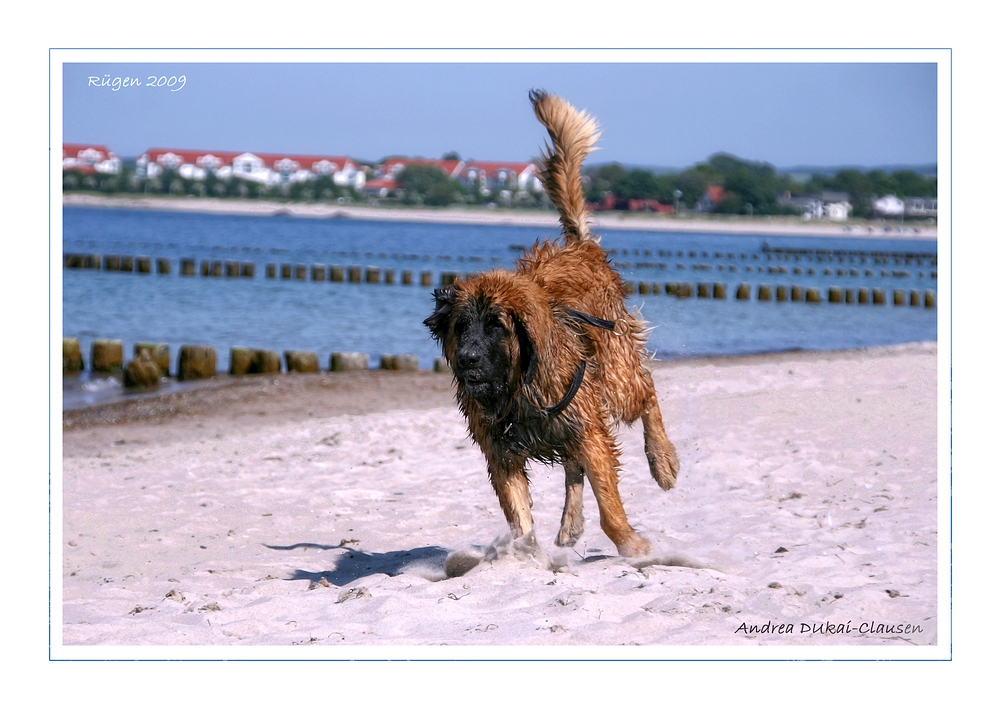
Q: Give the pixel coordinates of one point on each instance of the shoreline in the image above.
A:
(779, 226)
(388, 390)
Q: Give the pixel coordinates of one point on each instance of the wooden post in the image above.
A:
(195, 362)
(301, 362)
(158, 353)
(73, 357)
(400, 362)
(348, 361)
(106, 356)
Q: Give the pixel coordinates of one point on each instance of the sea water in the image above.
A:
(325, 317)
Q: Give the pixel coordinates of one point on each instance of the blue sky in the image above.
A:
(662, 114)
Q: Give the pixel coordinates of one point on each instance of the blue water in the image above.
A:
(385, 319)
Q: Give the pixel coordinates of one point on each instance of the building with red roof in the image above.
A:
(90, 158)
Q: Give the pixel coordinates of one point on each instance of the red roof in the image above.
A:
(74, 149)
(492, 168)
(304, 162)
(394, 164)
(716, 194)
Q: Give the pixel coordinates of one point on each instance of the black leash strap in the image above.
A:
(591, 320)
(573, 388)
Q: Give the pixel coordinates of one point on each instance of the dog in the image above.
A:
(547, 359)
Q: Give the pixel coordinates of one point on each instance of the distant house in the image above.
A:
(711, 199)
(889, 205)
(835, 206)
(269, 170)
(90, 159)
(920, 207)
(380, 186)
(490, 177)
(394, 165)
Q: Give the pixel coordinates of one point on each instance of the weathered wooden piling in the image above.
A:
(719, 291)
(286, 271)
(448, 278)
(72, 356)
(270, 270)
(878, 296)
(798, 293)
(195, 362)
(862, 296)
(915, 299)
(127, 264)
(163, 266)
(812, 295)
(112, 263)
(835, 295)
(232, 269)
(300, 271)
(629, 288)
(743, 291)
(318, 272)
(399, 362)
(704, 290)
(301, 362)
(158, 353)
(187, 266)
(426, 278)
(645, 288)
(354, 274)
(407, 277)
(141, 372)
(348, 361)
(336, 274)
(206, 269)
(930, 298)
(143, 264)
(373, 274)
(898, 297)
(441, 365)
(781, 293)
(106, 356)
(265, 361)
(390, 276)
(764, 293)
(240, 359)
(247, 269)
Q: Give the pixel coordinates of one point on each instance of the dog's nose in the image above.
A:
(467, 359)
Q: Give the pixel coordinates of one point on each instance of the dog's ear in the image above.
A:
(444, 303)
(528, 354)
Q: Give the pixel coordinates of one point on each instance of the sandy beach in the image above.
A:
(788, 226)
(264, 513)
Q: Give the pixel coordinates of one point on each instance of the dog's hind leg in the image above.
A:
(660, 452)
(511, 485)
(571, 527)
(600, 464)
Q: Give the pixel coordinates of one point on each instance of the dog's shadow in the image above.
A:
(426, 561)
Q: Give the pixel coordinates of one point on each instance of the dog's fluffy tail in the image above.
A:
(573, 136)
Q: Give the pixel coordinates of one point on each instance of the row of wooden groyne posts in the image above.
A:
(372, 274)
(151, 362)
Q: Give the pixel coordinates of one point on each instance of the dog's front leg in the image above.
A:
(660, 452)
(510, 482)
(600, 463)
(571, 527)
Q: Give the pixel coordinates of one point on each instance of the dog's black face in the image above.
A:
(480, 336)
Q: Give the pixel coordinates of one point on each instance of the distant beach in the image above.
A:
(790, 226)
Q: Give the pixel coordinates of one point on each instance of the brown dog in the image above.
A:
(546, 357)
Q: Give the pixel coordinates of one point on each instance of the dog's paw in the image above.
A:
(635, 547)
(664, 466)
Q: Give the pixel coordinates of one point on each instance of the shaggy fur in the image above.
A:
(514, 348)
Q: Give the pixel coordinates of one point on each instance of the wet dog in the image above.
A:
(547, 359)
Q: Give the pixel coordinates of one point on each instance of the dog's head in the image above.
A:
(489, 327)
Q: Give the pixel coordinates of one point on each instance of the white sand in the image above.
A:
(333, 530)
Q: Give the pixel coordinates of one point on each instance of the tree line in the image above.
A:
(750, 187)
